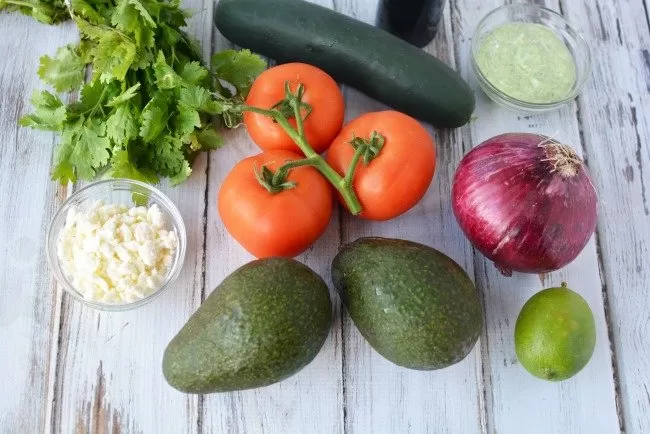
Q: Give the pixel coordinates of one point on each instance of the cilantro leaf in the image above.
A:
(91, 95)
(65, 71)
(113, 57)
(132, 17)
(139, 56)
(131, 14)
(194, 73)
(84, 49)
(144, 13)
(154, 117)
(124, 96)
(239, 68)
(182, 175)
(63, 170)
(84, 148)
(171, 13)
(122, 167)
(166, 77)
(209, 139)
(90, 152)
(121, 126)
(49, 112)
(47, 11)
(144, 58)
(186, 120)
(167, 155)
(84, 9)
(89, 30)
(199, 98)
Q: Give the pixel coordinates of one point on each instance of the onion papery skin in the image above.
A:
(520, 207)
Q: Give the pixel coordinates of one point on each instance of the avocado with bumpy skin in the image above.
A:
(413, 304)
(262, 324)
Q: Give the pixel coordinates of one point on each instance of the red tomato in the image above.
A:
(281, 224)
(399, 176)
(321, 92)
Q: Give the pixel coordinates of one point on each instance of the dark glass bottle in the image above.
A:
(415, 21)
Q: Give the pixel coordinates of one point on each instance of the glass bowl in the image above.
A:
(117, 191)
(531, 13)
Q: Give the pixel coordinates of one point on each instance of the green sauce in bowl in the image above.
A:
(528, 62)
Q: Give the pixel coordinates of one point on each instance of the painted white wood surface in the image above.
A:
(310, 401)
(29, 304)
(382, 397)
(65, 368)
(510, 389)
(615, 115)
(103, 380)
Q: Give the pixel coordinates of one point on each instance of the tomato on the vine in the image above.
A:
(322, 94)
(397, 178)
(268, 224)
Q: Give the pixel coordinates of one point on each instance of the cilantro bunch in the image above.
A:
(147, 103)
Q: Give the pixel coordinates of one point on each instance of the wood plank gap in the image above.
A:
(486, 417)
(209, 44)
(344, 370)
(200, 399)
(53, 412)
(57, 387)
(485, 382)
(342, 317)
(53, 361)
(618, 399)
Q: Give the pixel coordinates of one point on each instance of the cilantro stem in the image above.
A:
(99, 103)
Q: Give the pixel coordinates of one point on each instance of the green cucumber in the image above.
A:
(367, 58)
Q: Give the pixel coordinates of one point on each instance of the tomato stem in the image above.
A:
(349, 174)
(283, 171)
(286, 105)
(343, 186)
(271, 182)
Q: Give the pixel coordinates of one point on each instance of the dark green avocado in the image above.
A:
(262, 324)
(413, 304)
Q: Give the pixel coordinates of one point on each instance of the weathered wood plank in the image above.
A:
(615, 114)
(28, 302)
(106, 375)
(515, 398)
(382, 397)
(308, 402)
(109, 376)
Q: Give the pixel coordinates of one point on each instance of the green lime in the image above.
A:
(555, 334)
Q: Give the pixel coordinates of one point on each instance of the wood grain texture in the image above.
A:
(615, 114)
(108, 376)
(28, 301)
(380, 396)
(308, 402)
(515, 399)
(65, 368)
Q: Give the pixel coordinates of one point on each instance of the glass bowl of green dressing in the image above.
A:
(529, 58)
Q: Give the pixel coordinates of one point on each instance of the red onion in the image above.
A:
(525, 201)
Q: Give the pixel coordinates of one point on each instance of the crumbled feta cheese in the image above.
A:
(114, 254)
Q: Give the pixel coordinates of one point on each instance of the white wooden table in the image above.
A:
(66, 368)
